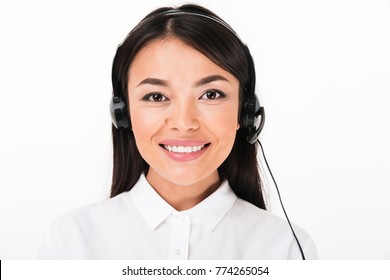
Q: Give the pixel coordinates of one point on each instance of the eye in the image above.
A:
(212, 94)
(155, 97)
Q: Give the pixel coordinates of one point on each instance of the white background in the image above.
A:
(323, 71)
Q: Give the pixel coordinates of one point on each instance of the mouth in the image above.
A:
(184, 149)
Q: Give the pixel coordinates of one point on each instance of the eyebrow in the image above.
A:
(210, 79)
(201, 82)
(153, 81)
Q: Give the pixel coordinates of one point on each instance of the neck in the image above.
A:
(183, 196)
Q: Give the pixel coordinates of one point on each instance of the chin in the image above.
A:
(188, 177)
(184, 179)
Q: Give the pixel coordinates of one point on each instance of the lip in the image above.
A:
(182, 156)
(184, 143)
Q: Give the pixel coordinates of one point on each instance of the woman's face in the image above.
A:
(184, 112)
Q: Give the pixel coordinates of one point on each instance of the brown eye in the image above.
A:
(155, 97)
(212, 94)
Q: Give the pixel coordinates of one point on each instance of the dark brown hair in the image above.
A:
(207, 33)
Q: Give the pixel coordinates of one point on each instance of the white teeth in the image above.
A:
(183, 149)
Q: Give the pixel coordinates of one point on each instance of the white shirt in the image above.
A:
(139, 224)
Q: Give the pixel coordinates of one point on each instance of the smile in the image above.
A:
(184, 149)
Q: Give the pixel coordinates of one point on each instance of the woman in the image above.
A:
(186, 182)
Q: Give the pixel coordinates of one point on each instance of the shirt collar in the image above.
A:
(214, 208)
(154, 209)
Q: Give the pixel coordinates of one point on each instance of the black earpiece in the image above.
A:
(252, 118)
(119, 113)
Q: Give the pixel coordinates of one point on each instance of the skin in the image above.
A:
(172, 98)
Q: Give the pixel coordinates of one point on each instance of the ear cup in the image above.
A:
(252, 114)
(119, 113)
(252, 118)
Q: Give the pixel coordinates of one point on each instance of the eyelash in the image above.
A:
(150, 97)
(220, 93)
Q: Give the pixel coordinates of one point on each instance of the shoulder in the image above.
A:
(254, 214)
(251, 214)
(94, 213)
(74, 233)
(259, 222)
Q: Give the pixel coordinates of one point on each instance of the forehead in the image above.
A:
(171, 55)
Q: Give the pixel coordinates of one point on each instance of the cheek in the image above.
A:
(224, 119)
(136, 121)
(226, 127)
(143, 124)
(223, 123)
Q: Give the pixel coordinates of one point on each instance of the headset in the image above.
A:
(252, 115)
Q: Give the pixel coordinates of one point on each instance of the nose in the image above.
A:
(183, 116)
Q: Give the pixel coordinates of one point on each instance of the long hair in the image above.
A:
(212, 37)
